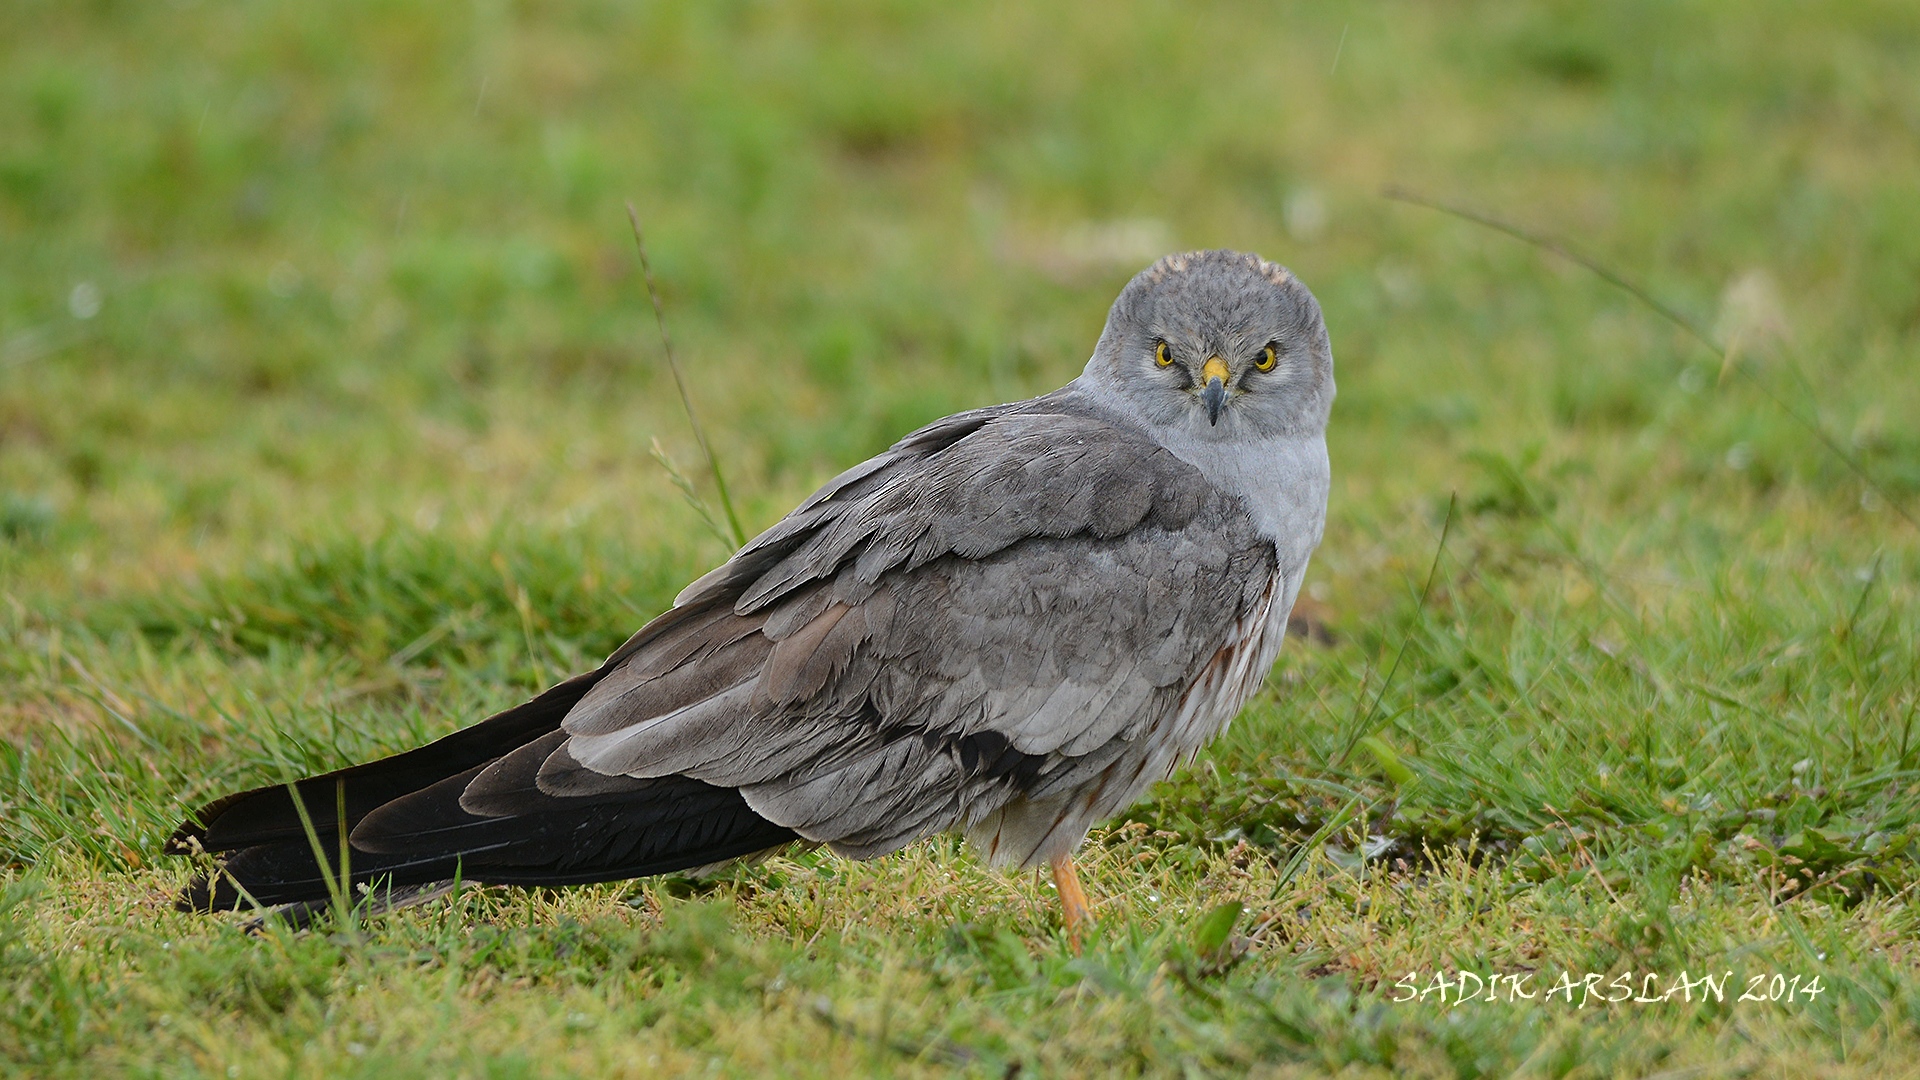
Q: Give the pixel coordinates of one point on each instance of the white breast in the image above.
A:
(1283, 482)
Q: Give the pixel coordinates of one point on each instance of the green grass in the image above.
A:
(328, 382)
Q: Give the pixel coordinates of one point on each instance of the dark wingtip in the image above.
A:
(188, 839)
(196, 898)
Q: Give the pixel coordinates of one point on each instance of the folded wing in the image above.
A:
(912, 650)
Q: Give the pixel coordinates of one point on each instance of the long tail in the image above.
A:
(405, 823)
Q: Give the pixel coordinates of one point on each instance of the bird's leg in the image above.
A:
(1073, 899)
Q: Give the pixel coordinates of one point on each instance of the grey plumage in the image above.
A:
(1046, 572)
(1009, 624)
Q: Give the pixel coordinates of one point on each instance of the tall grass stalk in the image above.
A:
(738, 534)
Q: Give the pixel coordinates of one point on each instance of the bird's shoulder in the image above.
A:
(970, 485)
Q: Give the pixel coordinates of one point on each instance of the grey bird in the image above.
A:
(1010, 624)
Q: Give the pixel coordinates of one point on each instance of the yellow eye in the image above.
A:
(1163, 355)
(1266, 360)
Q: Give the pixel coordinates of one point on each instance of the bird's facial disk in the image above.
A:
(1214, 382)
(1222, 344)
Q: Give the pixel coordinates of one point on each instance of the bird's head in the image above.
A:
(1222, 343)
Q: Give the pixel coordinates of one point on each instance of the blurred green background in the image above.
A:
(272, 269)
(329, 390)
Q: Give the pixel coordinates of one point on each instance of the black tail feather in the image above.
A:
(287, 872)
(407, 825)
(267, 814)
(675, 824)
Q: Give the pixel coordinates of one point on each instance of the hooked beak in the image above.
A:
(1215, 392)
(1215, 395)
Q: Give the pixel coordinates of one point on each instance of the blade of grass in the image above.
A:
(687, 492)
(1386, 684)
(338, 885)
(739, 535)
(1613, 277)
(1313, 843)
(1866, 591)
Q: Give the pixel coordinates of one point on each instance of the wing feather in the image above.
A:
(999, 608)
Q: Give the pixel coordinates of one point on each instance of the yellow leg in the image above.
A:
(1073, 899)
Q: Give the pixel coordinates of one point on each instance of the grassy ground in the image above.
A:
(327, 388)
